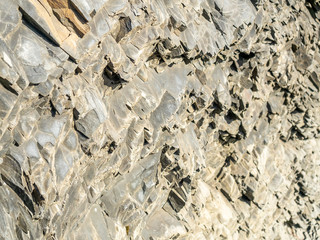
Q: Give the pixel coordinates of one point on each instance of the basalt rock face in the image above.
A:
(159, 119)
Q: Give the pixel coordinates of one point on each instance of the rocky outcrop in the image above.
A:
(159, 119)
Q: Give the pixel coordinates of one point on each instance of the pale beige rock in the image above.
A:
(159, 119)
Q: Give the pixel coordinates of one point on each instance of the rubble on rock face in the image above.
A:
(134, 119)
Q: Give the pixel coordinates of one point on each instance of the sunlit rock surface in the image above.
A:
(159, 119)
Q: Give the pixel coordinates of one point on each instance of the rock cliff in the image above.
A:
(159, 119)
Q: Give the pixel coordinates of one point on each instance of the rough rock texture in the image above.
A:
(159, 119)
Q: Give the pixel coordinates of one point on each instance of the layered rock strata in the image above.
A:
(135, 119)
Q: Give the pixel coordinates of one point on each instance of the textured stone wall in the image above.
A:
(159, 119)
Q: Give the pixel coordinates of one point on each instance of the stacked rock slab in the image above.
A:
(135, 119)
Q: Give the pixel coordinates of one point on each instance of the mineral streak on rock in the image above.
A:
(135, 119)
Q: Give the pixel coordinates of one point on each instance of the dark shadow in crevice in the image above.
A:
(36, 28)
(125, 28)
(245, 199)
(206, 15)
(226, 195)
(21, 194)
(255, 3)
(53, 110)
(37, 196)
(6, 84)
(111, 78)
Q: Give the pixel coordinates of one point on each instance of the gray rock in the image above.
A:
(88, 124)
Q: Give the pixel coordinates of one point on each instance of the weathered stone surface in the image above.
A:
(159, 119)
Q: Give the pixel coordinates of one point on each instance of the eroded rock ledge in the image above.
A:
(134, 119)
